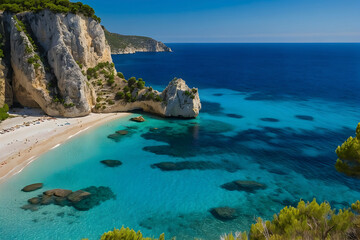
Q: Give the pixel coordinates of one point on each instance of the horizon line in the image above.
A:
(260, 42)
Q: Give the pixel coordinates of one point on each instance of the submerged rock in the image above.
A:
(30, 207)
(122, 132)
(78, 196)
(138, 119)
(61, 201)
(305, 117)
(196, 165)
(97, 195)
(111, 163)
(58, 192)
(32, 187)
(34, 200)
(233, 115)
(83, 199)
(116, 137)
(224, 213)
(269, 119)
(248, 186)
(46, 200)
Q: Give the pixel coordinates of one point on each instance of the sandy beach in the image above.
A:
(30, 133)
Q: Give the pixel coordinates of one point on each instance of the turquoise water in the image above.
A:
(249, 139)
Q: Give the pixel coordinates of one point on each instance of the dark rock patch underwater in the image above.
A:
(305, 117)
(196, 165)
(82, 200)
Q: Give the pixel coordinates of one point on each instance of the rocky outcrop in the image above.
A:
(125, 44)
(177, 100)
(62, 64)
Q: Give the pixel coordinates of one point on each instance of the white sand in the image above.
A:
(21, 144)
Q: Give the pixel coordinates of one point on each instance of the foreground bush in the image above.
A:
(309, 220)
(236, 236)
(306, 221)
(126, 234)
(349, 155)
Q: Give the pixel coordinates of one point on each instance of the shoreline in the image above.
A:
(24, 143)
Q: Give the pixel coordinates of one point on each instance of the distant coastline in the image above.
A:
(129, 44)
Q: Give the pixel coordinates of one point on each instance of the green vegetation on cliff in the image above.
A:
(57, 6)
(4, 112)
(349, 155)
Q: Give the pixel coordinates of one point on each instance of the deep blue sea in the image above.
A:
(272, 113)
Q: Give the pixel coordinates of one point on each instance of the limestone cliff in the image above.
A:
(61, 62)
(126, 44)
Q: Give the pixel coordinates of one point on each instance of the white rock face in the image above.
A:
(181, 101)
(64, 39)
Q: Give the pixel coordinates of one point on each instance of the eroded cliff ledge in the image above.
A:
(61, 62)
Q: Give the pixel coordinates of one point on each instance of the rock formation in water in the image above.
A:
(126, 44)
(61, 63)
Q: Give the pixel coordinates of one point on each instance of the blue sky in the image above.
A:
(233, 20)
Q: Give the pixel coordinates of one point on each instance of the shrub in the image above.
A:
(349, 155)
(79, 64)
(158, 98)
(194, 91)
(306, 221)
(140, 84)
(28, 49)
(131, 81)
(126, 89)
(110, 81)
(150, 89)
(126, 234)
(36, 65)
(68, 105)
(4, 112)
(31, 60)
(128, 96)
(187, 93)
(120, 95)
(120, 75)
(236, 236)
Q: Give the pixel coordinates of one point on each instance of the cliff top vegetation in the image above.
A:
(57, 6)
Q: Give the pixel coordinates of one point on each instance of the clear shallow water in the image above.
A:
(252, 137)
